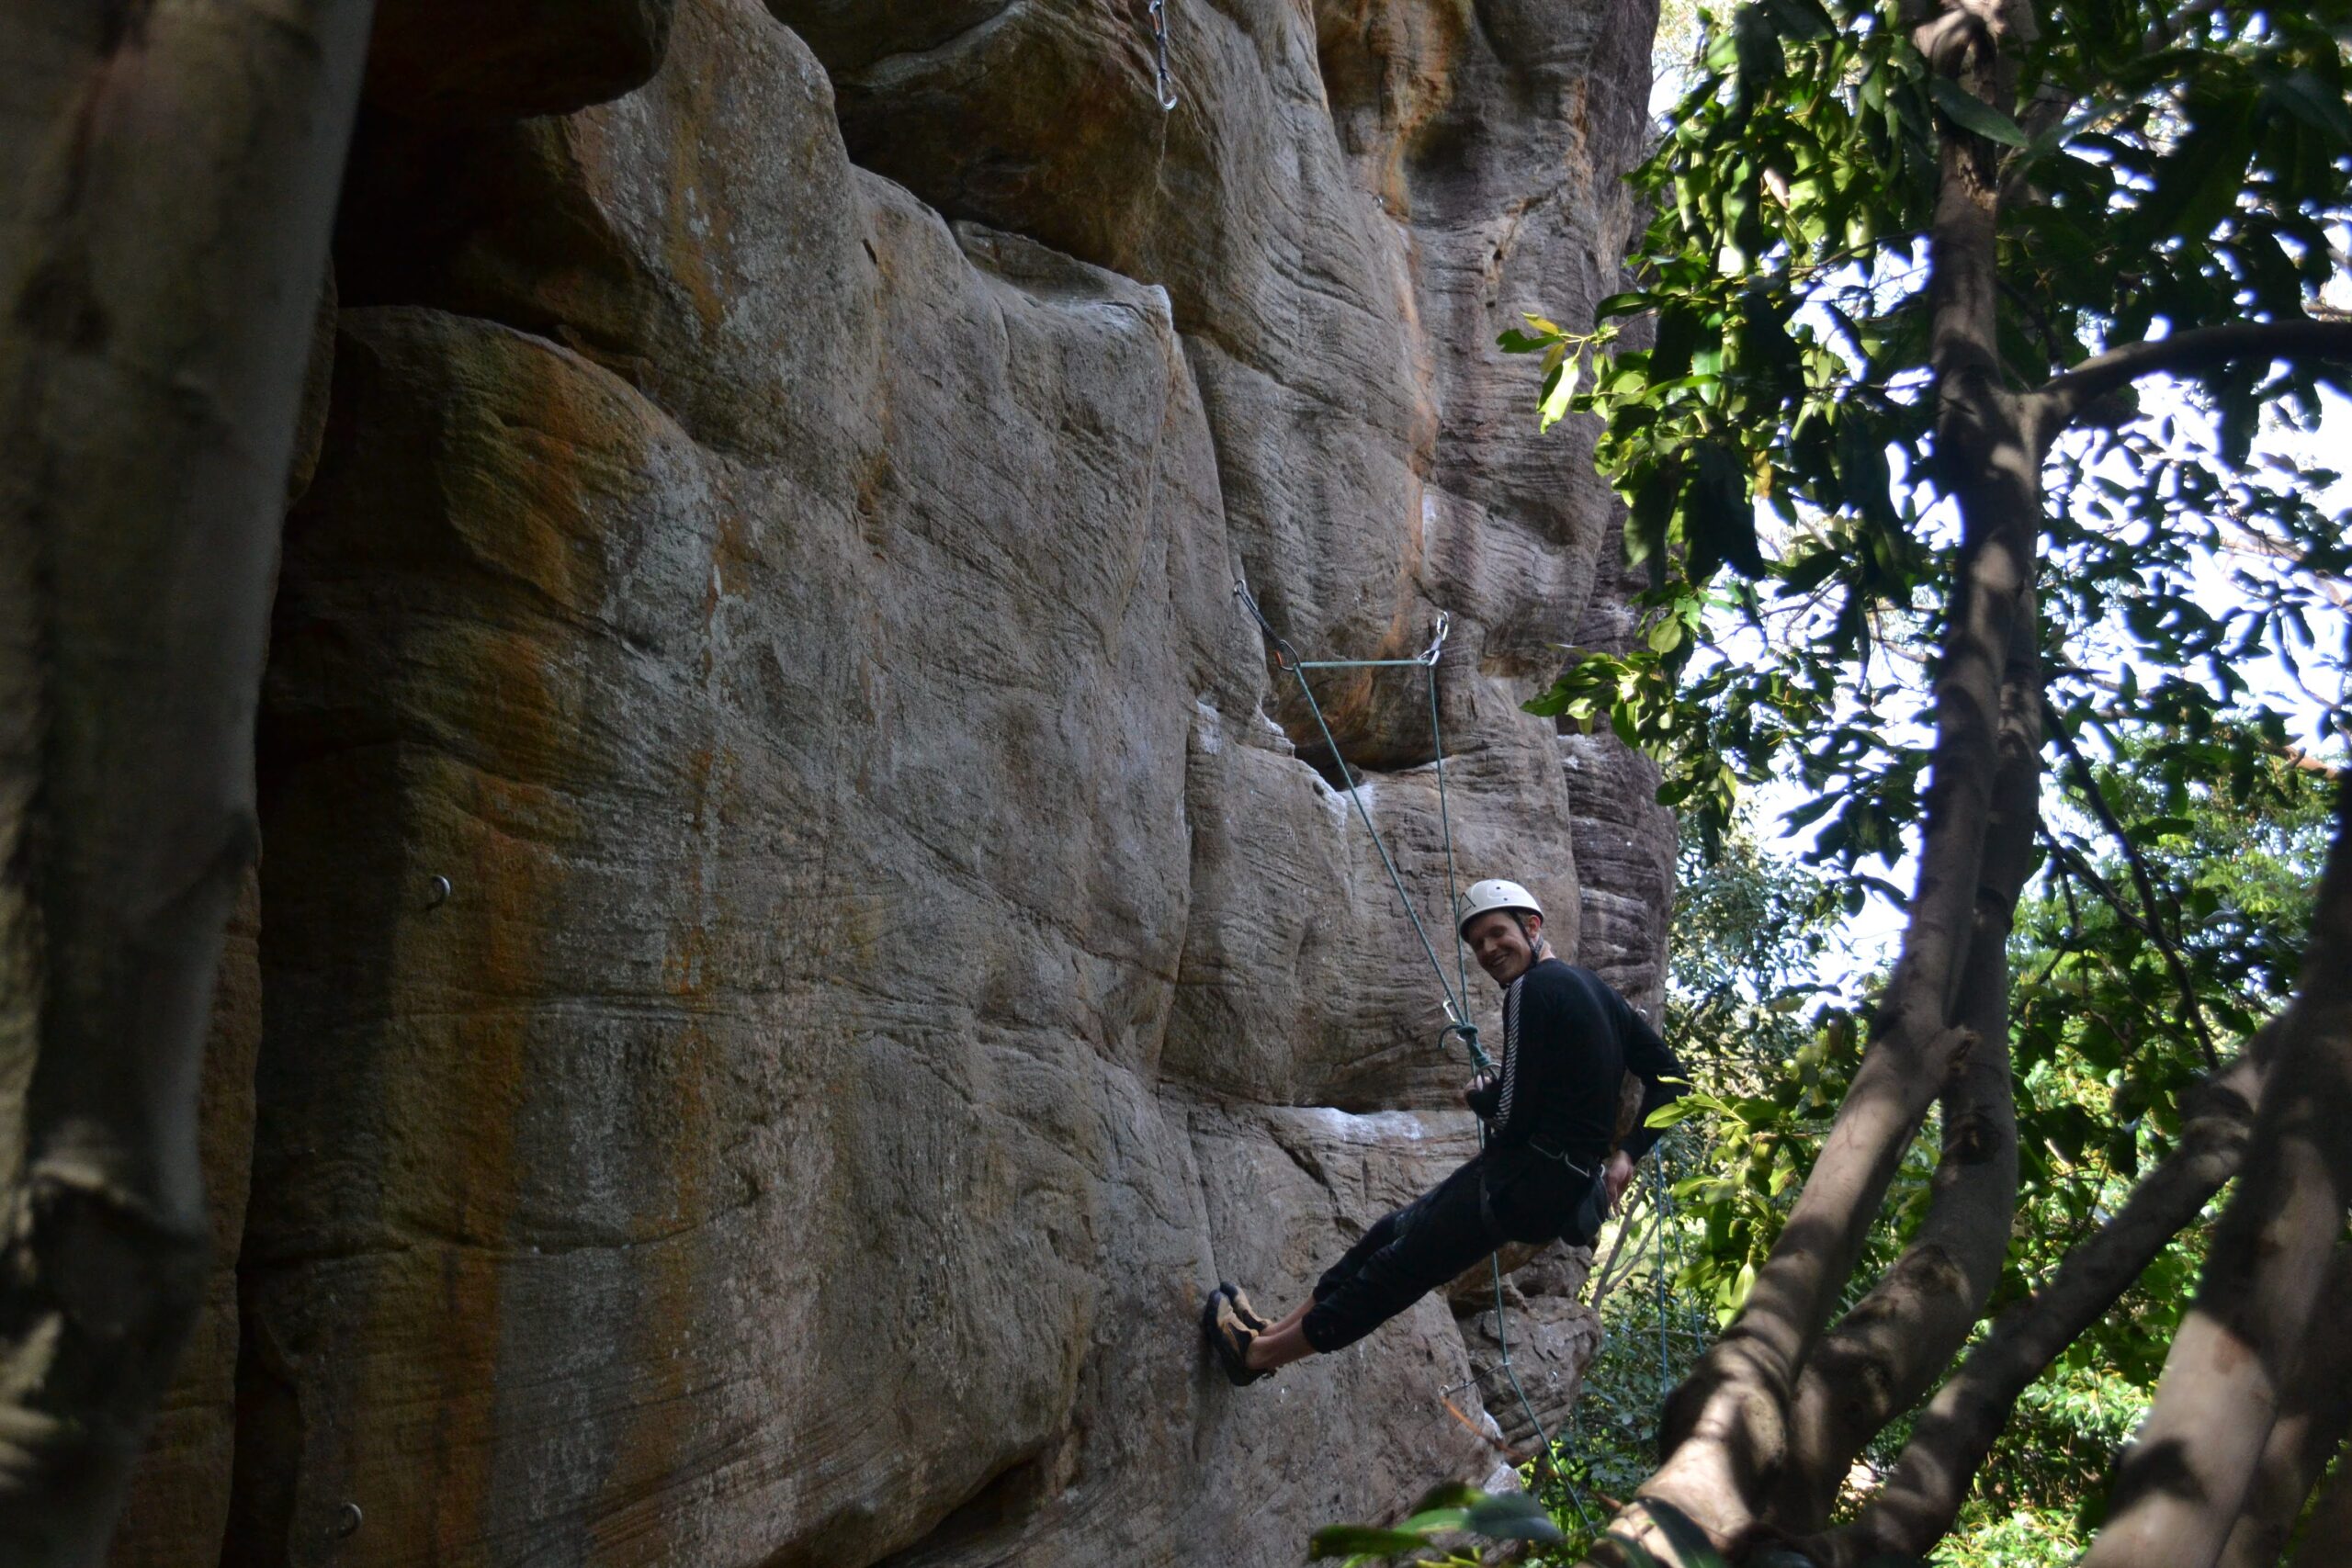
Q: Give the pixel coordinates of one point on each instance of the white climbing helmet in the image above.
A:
(1493, 893)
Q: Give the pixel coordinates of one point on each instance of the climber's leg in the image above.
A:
(1290, 1319)
(1280, 1343)
(1405, 1255)
(1423, 1244)
(1383, 1231)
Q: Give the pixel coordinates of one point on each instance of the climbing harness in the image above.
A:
(1163, 83)
(1456, 989)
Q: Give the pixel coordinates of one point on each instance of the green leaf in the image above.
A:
(1513, 1515)
(1361, 1541)
(1436, 1522)
(1674, 1113)
(1972, 113)
(1801, 19)
(1513, 341)
(1562, 387)
(2300, 94)
(2199, 181)
(1719, 521)
(1758, 50)
(1653, 506)
(1744, 215)
(1448, 1495)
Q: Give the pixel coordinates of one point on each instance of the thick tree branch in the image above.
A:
(2310, 1428)
(2192, 353)
(1726, 1429)
(2181, 1484)
(1899, 1338)
(2330, 1525)
(1922, 1495)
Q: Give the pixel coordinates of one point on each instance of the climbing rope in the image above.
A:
(1456, 991)
(1457, 999)
(1658, 1267)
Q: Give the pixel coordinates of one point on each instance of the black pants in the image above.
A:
(1413, 1250)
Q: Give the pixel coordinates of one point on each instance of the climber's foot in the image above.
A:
(1244, 1310)
(1229, 1338)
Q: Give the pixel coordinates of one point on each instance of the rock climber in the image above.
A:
(1547, 1169)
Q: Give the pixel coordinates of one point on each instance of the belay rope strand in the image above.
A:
(1458, 1023)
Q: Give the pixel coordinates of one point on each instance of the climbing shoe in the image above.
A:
(1244, 1310)
(1229, 1338)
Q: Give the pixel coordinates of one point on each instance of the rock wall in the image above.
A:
(798, 928)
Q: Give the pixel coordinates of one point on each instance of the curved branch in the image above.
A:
(2311, 1429)
(1923, 1494)
(1888, 1351)
(2331, 1524)
(1725, 1432)
(2192, 353)
(2181, 1486)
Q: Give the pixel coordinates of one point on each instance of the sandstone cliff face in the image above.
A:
(772, 553)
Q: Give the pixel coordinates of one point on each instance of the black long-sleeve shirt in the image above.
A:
(1569, 1039)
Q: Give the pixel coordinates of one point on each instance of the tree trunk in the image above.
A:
(2182, 1484)
(1898, 1339)
(1953, 1434)
(2309, 1430)
(1725, 1428)
(2331, 1525)
(160, 243)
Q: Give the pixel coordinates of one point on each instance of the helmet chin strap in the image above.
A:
(1536, 945)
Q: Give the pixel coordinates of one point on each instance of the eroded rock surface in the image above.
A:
(1551, 1337)
(772, 552)
(492, 60)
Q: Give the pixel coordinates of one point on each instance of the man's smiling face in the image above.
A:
(1502, 948)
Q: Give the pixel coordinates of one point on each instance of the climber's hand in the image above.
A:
(1477, 1089)
(1621, 1176)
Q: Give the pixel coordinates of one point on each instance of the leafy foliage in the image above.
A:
(2044, 1490)
(1751, 933)
(1760, 1009)
(1443, 1514)
(1765, 393)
